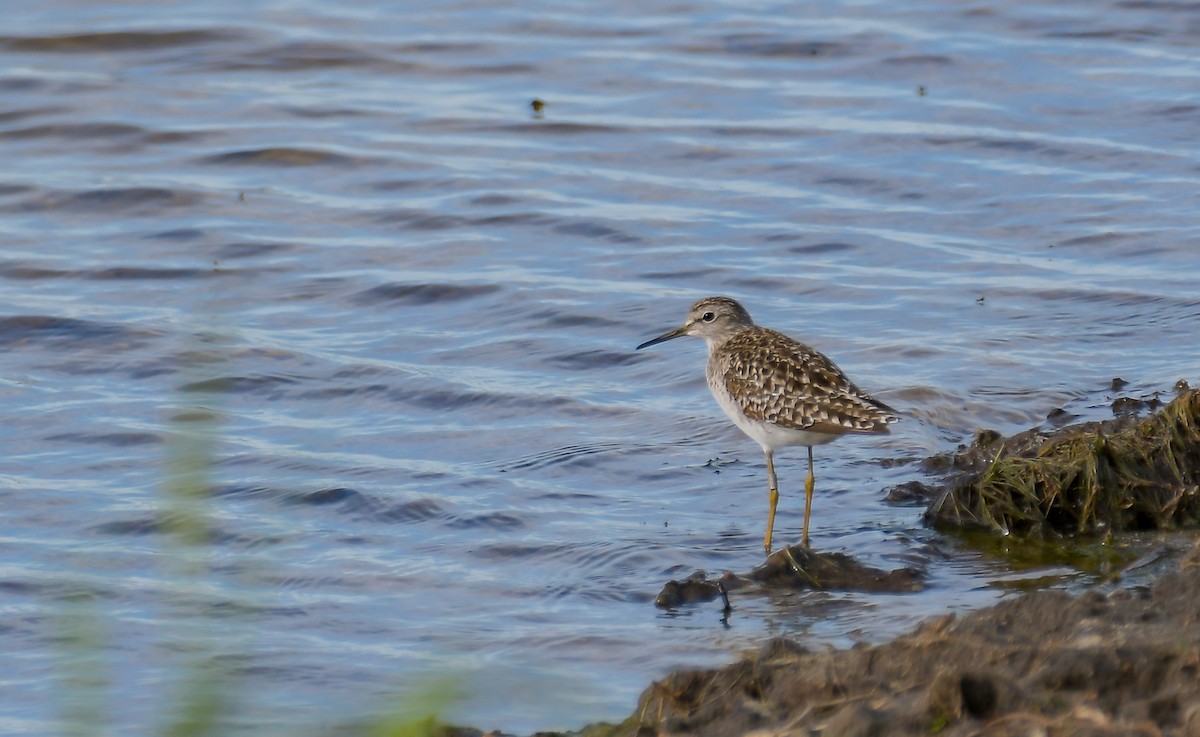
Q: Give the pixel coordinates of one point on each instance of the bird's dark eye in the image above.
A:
(708, 317)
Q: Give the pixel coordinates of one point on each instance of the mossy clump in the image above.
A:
(1124, 474)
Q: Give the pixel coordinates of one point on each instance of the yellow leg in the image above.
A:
(808, 494)
(774, 499)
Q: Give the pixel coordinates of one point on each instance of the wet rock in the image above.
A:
(911, 492)
(797, 567)
(1059, 416)
(985, 438)
(1127, 406)
(793, 568)
(694, 589)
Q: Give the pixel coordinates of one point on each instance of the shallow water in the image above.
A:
(413, 303)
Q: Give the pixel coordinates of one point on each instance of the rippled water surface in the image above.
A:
(412, 302)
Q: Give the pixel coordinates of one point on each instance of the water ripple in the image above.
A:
(65, 333)
(423, 294)
(146, 201)
(283, 156)
(116, 41)
(403, 301)
(115, 439)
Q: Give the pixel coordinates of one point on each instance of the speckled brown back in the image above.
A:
(776, 379)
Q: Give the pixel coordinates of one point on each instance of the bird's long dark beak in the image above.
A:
(681, 330)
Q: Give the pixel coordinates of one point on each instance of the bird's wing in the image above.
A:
(779, 380)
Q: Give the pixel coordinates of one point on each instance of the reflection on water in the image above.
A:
(416, 302)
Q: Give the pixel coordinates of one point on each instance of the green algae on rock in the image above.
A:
(1123, 474)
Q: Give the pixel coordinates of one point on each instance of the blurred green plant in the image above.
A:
(416, 715)
(82, 668)
(206, 691)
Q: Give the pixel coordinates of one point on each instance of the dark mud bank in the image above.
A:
(1111, 661)
(1119, 662)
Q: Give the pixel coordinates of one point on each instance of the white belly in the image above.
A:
(767, 435)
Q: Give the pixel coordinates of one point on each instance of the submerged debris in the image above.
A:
(797, 567)
(793, 568)
(694, 589)
(1121, 474)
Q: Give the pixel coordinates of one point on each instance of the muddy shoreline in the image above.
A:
(1118, 659)
(1110, 661)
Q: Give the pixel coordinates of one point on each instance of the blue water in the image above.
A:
(410, 303)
